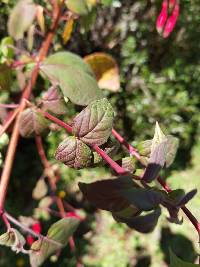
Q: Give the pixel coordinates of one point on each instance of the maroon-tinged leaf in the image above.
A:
(156, 162)
(105, 194)
(143, 223)
(93, 125)
(32, 123)
(74, 153)
(54, 102)
(187, 198)
(144, 199)
(21, 18)
(13, 238)
(60, 232)
(129, 164)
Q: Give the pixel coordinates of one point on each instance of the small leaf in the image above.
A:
(105, 194)
(40, 189)
(143, 198)
(42, 210)
(143, 223)
(171, 149)
(187, 198)
(93, 125)
(74, 153)
(78, 6)
(68, 30)
(13, 238)
(73, 76)
(6, 49)
(129, 164)
(158, 138)
(4, 139)
(60, 232)
(156, 162)
(176, 262)
(106, 70)
(144, 148)
(32, 122)
(30, 37)
(40, 18)
(5, 77)
(21, 18)
(53, 101)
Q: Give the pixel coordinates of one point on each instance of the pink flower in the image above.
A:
(161, 20)
(171, 22)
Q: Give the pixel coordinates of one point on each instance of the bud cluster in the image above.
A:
(167, 18)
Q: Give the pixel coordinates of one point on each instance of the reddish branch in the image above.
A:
(25, 95)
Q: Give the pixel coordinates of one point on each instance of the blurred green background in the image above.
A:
(159, 82)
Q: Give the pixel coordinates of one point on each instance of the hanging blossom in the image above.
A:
(167, 18)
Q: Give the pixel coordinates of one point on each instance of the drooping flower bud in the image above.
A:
(172, 4)
(161, 20)
(171, 22)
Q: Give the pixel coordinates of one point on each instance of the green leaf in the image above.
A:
(158, 138)
(143, 198)
(144, 148)
(78, 6)
(93, 125)
(74, 153)
(143, 223)
(60, 232)
(53, 101)
(40, 189)
(5, 77)
(13, 238)
(5, 48)
(176, 262)
(105, 194)
(171, 149)
(21, 18)
(73, 76)
(32, 122)
(42, 211)
(129, 164)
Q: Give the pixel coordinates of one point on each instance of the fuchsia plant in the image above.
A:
(135, 195)
(167, 18)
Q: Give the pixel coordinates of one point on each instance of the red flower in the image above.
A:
(165, 24)
(36, 228)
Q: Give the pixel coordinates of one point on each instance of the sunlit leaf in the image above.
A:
(74, 153)
(21, 18)
(93, 125)
(73, 76)
(59, 232)
(105, 69)
(68, 30)
(40, 18)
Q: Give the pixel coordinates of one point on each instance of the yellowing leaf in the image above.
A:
(40, 189)
(105, 69)
(40, 18)
(68, 30)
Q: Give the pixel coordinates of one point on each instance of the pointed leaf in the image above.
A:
(53, 101)
(21, 18)
(32, 122)
(13, 238)
(94, 124)
(59, 232)
(129, 164)
(105, 69)
(73, 76)
(68, 30)
(42, 210)
(74, 153)
(156, 162)
(143, 223)
(176, 262)
(158, 138)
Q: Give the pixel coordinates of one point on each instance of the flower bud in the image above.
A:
(161, 20)
(171, 22)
